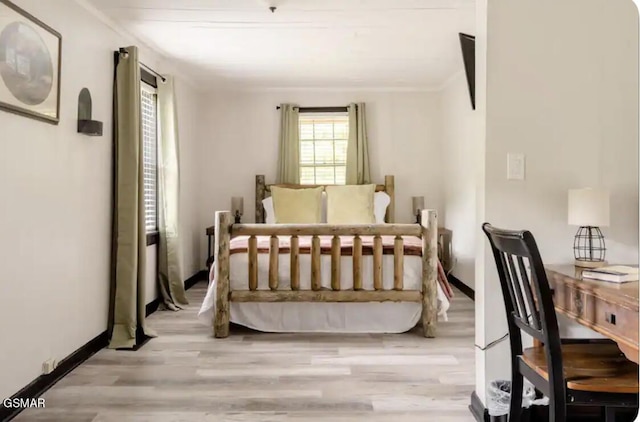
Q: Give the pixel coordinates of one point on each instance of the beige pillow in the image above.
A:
(297, 206)
(351, 204)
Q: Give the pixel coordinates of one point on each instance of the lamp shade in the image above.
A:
(589, 207)
(418, 204)
(237, 205)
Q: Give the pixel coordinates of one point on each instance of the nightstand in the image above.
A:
(211, 240)
(444, 248)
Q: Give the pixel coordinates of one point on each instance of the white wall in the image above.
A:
(562, 89)
(459, 139)
(55, 217)
(242, 141)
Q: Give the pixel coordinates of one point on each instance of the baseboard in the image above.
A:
(466, 290)
(41, 384)
(477, 409)
(153, 306)
(197, 277)
(44, 382)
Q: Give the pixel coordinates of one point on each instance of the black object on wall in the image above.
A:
(468, 45)
(85, 124)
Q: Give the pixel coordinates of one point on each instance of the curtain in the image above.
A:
(170, 281)
(357, 147)
(289, 151)
(127, 302)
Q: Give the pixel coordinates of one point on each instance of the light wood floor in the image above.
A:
(186, 375)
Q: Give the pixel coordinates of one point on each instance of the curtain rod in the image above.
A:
(154, 72)
(321, 109)
(125, 53)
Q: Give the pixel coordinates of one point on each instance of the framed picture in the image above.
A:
(30, 53)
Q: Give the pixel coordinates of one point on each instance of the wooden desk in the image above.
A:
(611, 309)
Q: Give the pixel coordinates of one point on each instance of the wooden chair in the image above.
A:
(575, 374)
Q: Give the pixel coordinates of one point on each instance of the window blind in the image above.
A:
(150, 156)
(323, 148)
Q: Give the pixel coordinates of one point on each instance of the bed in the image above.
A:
(351, 278)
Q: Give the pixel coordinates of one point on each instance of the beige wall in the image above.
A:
(242, 141)
(458, 181)
(55, 217)
(562, 88)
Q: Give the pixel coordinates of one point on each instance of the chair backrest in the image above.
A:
(528, 299)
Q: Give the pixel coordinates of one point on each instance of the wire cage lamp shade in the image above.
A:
(589, 246)
(589, 210)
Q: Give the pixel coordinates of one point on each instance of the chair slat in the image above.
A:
(517, 287)
(505, 268)
(526, 284)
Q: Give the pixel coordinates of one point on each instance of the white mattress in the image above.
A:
(387, 317)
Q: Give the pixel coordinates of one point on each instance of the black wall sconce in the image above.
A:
(85, 124)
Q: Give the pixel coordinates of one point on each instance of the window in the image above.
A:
(149, 118)
(323, 148)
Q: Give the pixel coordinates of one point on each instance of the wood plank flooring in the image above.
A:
(187, 375)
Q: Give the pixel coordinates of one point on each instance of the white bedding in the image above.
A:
(387, 317)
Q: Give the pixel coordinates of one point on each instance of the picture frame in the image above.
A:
(30, 65)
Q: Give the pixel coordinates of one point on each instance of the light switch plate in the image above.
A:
(515, 166)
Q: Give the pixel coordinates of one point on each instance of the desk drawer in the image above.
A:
(595, 312)
(616, 319)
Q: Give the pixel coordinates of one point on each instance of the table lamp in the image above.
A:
(589, 209)
(237, 208)
(418, 206)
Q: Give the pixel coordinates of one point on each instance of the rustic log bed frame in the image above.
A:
(226, 230)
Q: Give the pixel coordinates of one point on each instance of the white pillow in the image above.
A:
(381, 201)
(270, 214)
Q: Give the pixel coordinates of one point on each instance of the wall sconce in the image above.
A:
(418, 206)
(237, 208)
(85, 124)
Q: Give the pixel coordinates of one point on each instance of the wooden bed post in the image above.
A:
(261, 188)
(223, 240)
(429, 272)
(390, 189)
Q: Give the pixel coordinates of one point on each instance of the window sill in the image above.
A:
(153, 238)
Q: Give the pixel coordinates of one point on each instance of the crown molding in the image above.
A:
(89, 7)
(233, 87)
(166, 64)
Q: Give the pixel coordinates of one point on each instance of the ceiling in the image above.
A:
(402, 44)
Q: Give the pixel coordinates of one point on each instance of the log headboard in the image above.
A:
(263, 190)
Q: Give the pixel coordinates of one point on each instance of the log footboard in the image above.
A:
(427, 296)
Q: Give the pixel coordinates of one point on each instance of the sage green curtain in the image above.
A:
(127, 310)
(289, 151)
(170, 282)
(358, 147)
